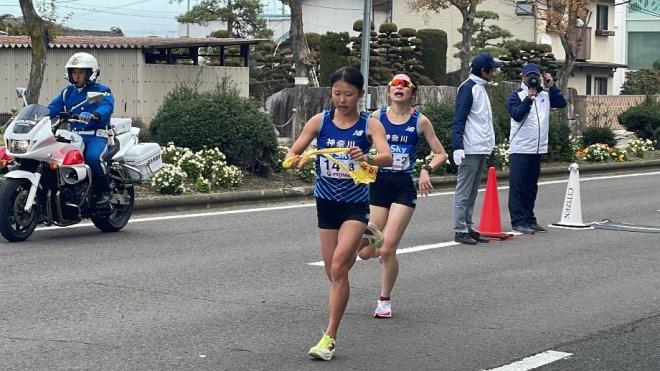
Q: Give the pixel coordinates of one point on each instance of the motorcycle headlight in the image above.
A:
(18, 145)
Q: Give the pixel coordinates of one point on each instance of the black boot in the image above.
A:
(102, 189)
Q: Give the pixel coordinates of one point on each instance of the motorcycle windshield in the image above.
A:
(28, 118)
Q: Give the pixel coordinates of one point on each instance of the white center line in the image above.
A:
(407, 250)
(534, 361)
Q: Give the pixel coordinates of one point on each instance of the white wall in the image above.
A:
(620, 48)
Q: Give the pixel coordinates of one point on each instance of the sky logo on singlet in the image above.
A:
(358, 133)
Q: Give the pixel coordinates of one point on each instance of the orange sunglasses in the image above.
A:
(402, 83)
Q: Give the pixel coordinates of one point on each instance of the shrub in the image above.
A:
(388, 27)
(313, 39)
(593, 135)
(333, 54)
(434, 54)
(421, 162)
(357, 25)
(559, 143)
(645, 81)
(440, 114)
(519, 52)
(169, 180)
(638, 147)
(219, 118)
(500, 158)
(407, 32)
(643, 120)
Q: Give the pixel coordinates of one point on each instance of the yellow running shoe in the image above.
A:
(373, 236)
(324, 349)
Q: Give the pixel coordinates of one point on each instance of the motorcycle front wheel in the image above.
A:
(118, 217)
(16, 224)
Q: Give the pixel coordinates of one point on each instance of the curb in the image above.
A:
(206, 200)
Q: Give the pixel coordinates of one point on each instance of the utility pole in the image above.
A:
(364, 55)
(188, 23)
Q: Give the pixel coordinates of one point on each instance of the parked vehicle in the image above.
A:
(47, 180)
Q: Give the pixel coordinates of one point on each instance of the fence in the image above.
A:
(603, 110)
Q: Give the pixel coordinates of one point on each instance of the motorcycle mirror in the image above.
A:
(20, 92)
(94, 97)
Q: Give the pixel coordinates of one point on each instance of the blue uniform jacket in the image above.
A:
(72, 96)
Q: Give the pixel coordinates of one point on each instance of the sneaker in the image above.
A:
(324, 349)
(538, 228)
(477, 237)
(523, 229)
(373, 236)
(383, 309)
(464, 238)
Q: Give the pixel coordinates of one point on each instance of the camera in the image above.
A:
(534, 82)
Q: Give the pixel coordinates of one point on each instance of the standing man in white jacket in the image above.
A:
(529, 108)
(473, 140)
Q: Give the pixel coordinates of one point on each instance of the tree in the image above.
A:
(566, 18)
(302, 57)
(37, 29)
(489, 38)
(242, 16)
(468, 9)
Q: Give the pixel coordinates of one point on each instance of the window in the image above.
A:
(643, 49)
(588, 84)
(601, 17)
(524, 8)
(600, 84)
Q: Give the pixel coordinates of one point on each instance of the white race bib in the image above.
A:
(400, 161)
(330, 169)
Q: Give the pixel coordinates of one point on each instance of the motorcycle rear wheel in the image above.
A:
(118, 218)
(16, 224)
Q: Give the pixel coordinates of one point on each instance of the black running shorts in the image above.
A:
(331, 214)
(393, 188)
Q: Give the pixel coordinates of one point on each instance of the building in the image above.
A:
(140, 70)
(638, 42)
(595, 67)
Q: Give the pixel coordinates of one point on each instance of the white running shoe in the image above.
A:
(373, 236)
(384, 309)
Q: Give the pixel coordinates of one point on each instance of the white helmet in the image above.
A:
(84, 61)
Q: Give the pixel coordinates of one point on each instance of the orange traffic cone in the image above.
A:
(490, 224)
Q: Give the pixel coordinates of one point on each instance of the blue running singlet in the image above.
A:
(403, 140)
(333, 183)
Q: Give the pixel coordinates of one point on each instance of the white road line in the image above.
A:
(407, 250)
(196, 215)
(534, 361)
(312, 203)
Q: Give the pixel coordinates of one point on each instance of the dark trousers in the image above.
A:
(524, 171)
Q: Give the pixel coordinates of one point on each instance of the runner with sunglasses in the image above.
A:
(392, 197)
(341, 205)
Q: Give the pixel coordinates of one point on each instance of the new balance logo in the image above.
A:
(358, 133)
(410, 129)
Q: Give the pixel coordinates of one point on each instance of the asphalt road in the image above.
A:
(233, 289)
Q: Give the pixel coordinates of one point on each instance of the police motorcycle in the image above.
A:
(47, 181)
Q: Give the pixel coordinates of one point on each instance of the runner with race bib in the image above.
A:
(393, 196)
(342, 204)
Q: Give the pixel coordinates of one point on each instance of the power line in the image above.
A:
(92, 10)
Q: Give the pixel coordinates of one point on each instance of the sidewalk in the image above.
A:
(208, 199)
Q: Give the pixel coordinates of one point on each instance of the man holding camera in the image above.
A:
(529, 108)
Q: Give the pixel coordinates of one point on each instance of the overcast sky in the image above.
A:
(135, 18)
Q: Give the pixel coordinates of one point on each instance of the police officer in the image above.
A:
(529, 108)
(82, 71)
